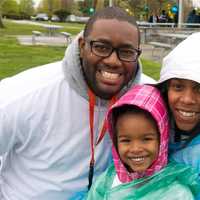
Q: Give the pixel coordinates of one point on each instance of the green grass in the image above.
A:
(151, 68)
(26, 29)
(15, 58)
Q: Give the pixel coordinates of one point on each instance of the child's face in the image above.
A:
(184, 102)
(137, 141)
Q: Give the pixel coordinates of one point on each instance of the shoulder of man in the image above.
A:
(28, 81)
(145, 79)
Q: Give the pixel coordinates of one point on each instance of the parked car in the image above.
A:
(55, 18)
(41, 17)
(73, 18)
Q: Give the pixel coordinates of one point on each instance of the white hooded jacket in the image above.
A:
(184, 62)
(44, 130)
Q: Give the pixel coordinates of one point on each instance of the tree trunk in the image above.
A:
(1, 22)
(99, 4)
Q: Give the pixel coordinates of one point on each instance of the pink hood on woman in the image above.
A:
(147, 98)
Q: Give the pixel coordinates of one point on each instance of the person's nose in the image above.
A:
(188, 96)
(113, 60)
(135, 147)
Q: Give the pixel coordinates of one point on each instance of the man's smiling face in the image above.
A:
(107, 76)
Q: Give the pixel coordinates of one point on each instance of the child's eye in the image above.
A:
(148, 139)
(124, 140)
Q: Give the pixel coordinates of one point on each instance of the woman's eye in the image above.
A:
(176, 86)
(198, 89)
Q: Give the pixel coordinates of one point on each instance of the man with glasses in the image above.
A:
(104, 50)
(52, 117)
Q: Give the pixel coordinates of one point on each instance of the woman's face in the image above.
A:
(184, 102)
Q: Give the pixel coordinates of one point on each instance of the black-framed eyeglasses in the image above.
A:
(104, 50)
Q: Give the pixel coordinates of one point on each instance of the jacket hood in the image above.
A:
(73, 71)
(183, 61)
(147, 98)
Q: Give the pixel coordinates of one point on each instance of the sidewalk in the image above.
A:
(42, 40)
(61, 41)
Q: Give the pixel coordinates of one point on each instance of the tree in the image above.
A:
(45, 7)
(50, 6)
(98, 4)
(76, 9)
(26, 8)
(10, 8)
(62, 14)
(66, 4)
(1, 22)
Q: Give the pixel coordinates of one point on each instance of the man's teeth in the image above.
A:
(109, 75)
(187, 114)
(137, 159)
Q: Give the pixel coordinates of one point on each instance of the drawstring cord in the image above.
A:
(102, 133)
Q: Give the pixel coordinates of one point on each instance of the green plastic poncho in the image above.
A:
(173, 179)
(160, 181)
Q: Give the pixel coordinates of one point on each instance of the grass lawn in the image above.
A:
(151, 68)
(15, 58)
(26, 29)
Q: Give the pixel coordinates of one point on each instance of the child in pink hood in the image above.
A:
(139, 128)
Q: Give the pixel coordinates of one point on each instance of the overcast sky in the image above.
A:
(36, 2)
(196, 3)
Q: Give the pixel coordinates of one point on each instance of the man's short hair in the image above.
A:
(110, 13)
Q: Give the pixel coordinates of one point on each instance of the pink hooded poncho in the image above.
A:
(147, 98)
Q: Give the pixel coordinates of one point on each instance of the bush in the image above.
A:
(62, 14)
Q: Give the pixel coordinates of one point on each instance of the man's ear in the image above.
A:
(81, 43)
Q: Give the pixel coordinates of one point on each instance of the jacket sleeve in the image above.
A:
(7, 135)
(189, 156)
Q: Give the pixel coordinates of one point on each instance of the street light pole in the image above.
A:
(110, 3)
(180, 13)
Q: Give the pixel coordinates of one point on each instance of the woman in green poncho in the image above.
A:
(138, 126)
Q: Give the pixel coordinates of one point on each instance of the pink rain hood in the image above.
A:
(147, 98)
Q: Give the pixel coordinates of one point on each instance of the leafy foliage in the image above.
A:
(62, 14)
(10, 9)
(26, 8)
(21, 9)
